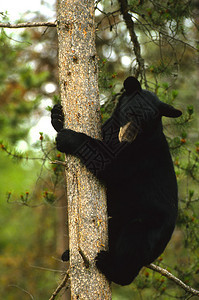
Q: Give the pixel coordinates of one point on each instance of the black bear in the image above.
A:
(134, 162)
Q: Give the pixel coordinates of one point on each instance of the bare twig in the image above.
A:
(60, 286)
(46, 269)
(28, 24)
(31, 296)
(179, 282)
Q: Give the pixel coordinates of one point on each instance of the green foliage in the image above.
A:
(106, 78)
(49, 197)
(160, 14)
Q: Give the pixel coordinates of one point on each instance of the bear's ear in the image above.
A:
(169, 111)
(131, 85)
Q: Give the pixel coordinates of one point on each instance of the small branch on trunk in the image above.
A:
(28, 24)
(58, 162)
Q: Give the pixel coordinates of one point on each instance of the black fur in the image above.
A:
(134, 162)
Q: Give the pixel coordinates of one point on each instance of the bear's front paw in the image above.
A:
(65, 256)
(69, 141)
(57, 117)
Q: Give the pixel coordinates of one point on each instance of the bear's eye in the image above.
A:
(128, 132)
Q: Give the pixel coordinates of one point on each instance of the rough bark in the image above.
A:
(87, 215)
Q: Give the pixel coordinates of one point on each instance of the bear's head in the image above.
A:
(140, 111)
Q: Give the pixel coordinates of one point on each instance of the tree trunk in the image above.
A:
(87, 215)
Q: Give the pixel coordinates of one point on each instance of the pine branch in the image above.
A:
(21, 156)
(150, 27)
(153, 267)
(179, 282)
(136, 45)
(28, 24)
